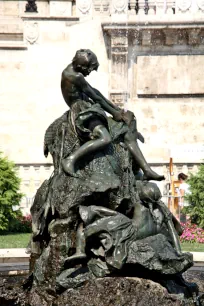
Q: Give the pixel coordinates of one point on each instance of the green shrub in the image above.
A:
(21, 224)
(10, 194)
(196, 197)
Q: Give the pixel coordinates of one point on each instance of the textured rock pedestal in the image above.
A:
(101, 292)
(112, 292)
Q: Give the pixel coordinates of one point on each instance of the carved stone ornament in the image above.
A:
(200, 4)
(201, 37)
(182, 37)
(119, 41)
(119, 98)
(158, 38)
(84, 5)
(184, 5)
(31, 32)
(59, 8)
(193, 36)
(119, 5)
(136, 38)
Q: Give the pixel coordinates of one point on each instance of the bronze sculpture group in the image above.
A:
(98, 215)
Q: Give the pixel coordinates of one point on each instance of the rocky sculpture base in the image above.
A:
(116, 291)
(98, 235)
(113, 292)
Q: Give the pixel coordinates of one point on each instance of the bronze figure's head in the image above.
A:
(85, 61)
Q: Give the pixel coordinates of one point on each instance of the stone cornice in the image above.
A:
(7, 45)
(111, 27)
(156, 36)
(40, 18)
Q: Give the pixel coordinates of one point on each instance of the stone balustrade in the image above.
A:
(70, 8)
(143, 7)
(32, 176)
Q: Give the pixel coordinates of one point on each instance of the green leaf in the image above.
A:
(9, 192)
(196, 198)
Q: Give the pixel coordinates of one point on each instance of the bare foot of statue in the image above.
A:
(151, 175)
(68, 166)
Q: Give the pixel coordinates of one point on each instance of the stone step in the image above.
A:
(13, 256)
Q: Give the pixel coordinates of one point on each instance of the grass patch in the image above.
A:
(11, 241)
(21, 241)
(192, 247)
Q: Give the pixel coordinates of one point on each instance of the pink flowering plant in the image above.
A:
(192, 233)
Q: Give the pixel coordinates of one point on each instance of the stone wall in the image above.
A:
(30, 87)
(163, 85)
(171, 127)
(170, 75)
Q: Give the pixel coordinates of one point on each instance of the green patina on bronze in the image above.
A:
(98, 215)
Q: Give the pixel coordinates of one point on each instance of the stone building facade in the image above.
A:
(151, 55)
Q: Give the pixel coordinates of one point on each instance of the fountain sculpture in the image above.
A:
(98, 223)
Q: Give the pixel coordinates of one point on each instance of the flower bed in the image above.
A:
(192, 233)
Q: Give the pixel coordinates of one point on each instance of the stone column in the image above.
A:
(119, 67)
(135, 42)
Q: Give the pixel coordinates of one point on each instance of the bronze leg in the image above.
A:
(80, 245)
(131, 142)
(102, 140)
